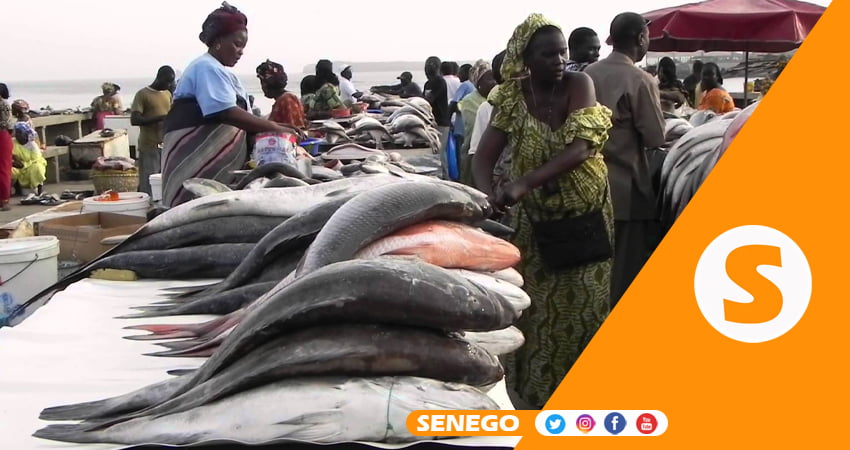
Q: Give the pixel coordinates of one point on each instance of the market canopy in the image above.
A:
(764, 26)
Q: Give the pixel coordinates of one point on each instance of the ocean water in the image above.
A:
(60, 95)
(64, 94)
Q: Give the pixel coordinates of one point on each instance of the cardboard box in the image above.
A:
(80, 235)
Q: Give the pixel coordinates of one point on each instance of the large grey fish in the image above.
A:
(314, 409)
(334, 132)
(374, 291)
(425, 115)
(270, 169)
(344, 349)
(350, 151)
(284, 181)
(497, 342)
(324, 174)
(368, 126)
(214, 303)
(296, 232)
(203, 261)
(390, 209)
(204, 346)
(202, 187)
(263, 202)
(225, 230)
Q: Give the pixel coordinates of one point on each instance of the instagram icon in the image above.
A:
(585, 423)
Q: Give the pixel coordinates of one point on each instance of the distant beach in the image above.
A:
(64, 94)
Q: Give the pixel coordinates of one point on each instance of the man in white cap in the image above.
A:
(347, 90)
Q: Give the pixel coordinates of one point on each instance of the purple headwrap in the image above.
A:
(221, 22)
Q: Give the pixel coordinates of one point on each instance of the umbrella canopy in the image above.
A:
(765, 26)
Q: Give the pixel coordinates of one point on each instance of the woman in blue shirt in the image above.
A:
(207, 127)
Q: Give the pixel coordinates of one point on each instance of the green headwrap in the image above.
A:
(513, 66)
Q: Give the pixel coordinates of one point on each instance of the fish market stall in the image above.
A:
(72, 351)
(323, 310)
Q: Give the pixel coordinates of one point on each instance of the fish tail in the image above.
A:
(67, 433)
(174, 331)
(187, 353)
(178, 345)
(83, 411)
(162, 335)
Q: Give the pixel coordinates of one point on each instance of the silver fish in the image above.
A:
(202, 187)
(321, 410)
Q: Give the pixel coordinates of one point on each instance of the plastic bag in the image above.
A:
(451, 157)
(274, 148)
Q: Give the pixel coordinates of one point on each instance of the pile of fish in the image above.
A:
(692, 157)
(364, 299)
(411, 124)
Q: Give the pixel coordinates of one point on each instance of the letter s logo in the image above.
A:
(753, 283)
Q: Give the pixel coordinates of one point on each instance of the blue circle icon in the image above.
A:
(555, 424)
(615, 423)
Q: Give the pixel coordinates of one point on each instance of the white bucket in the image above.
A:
(129, 203)
(156, 186)
(27, 266)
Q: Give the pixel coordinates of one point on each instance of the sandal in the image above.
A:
(31, 199)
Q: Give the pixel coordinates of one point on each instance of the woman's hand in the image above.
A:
(17, 164)
(509, 195)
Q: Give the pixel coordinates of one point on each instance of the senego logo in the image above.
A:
(753, 283)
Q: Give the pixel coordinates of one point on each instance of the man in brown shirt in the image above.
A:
(638, 124)
(150, 106)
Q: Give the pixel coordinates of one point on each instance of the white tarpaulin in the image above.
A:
(72, 350)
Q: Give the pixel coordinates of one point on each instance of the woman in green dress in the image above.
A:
(559, 200)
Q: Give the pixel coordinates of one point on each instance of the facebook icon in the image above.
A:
(615, 423)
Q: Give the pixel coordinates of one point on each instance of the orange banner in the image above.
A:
(734, 329)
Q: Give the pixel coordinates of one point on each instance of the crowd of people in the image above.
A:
(555, 136)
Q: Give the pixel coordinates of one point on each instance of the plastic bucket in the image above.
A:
(274, 148)
(311, 145)
(27, 266)
(129, 203)
(156, 186)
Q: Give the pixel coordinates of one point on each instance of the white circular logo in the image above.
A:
(789, 272)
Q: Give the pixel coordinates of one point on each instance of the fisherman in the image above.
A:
(405, 89)
(584, 49)
(150, 107)
(633, 96)
(348, 92)
(437, 95)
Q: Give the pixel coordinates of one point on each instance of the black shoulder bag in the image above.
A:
(572, 241)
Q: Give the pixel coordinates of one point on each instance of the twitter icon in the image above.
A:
(555, 424)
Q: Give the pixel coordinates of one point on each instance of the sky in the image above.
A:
(86, 39)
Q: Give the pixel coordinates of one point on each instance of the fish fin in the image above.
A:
(212, 204)
(66, 433)
(337, 192)
(181, 372)
(319, 426)
(114, 240)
